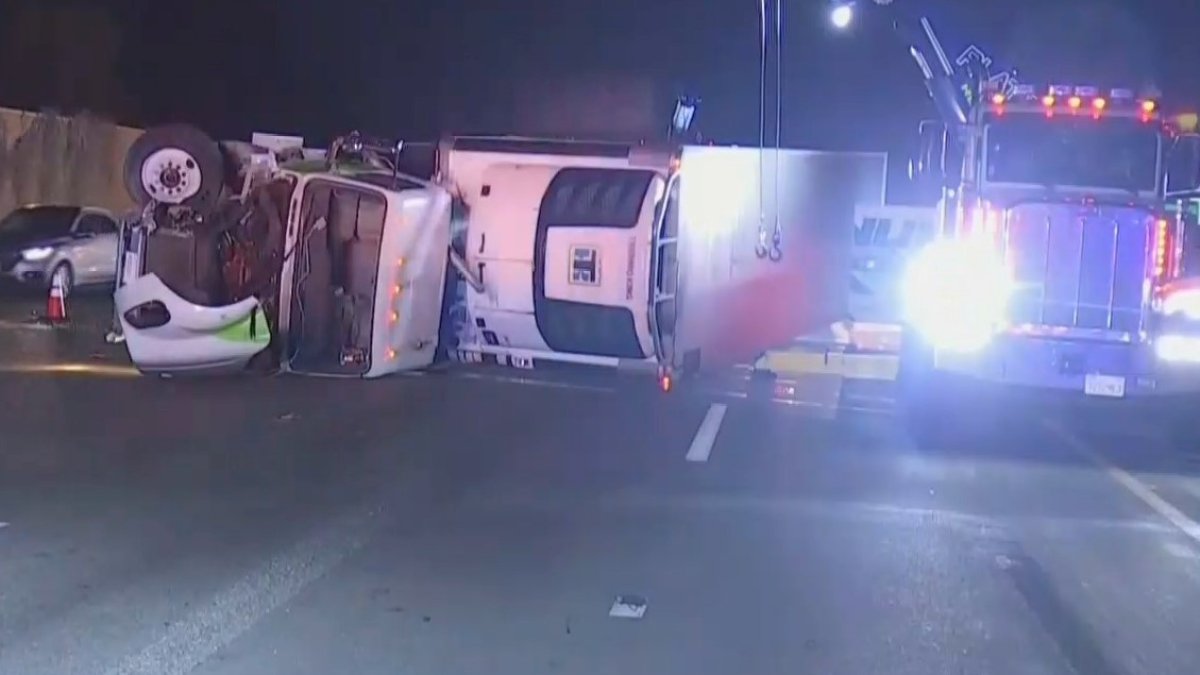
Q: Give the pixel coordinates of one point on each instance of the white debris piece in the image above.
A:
(628, 607)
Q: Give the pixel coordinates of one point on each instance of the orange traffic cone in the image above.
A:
(56, 304)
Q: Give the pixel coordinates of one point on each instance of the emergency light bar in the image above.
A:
(1073, 99)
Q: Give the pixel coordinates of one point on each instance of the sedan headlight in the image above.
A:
(956, 294)
(37, 253)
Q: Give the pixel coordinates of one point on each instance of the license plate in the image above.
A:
(1111, 386)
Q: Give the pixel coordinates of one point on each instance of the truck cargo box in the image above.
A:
(732, 304)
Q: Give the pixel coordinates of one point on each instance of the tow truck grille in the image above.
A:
(1077, 267)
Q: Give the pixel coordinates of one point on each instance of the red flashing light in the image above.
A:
(1048, 101)
(997, 99)
(1148, 106)
(1074, 102)
(665, 383)
(1099, 103)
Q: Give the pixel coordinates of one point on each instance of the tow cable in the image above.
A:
(773, 251)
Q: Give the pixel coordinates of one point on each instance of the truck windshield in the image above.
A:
(1112, 154)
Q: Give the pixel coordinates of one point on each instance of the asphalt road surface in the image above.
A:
(487, 522)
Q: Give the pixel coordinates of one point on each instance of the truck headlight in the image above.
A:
(1178, 348)
(956, 294)
(37, 253)
(1183, 302)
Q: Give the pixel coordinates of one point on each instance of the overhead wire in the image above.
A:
(762, 118)
(777, 236)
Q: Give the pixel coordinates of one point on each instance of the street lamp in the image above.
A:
(842, 15)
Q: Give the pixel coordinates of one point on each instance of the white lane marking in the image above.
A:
(1136, 487)
(195, 638)
(706, 435)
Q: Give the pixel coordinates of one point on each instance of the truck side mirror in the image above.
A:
(1183, 164)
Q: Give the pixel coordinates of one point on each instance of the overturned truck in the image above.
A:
(511, 250)
(237, 262)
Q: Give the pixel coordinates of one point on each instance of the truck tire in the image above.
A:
(175, 164)
(938, 412)
(921, 400)
(1178, 420)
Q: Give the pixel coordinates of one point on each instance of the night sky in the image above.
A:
(412, 69)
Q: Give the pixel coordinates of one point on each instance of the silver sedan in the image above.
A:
(78, 244)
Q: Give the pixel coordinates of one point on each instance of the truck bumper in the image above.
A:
(1094, 370)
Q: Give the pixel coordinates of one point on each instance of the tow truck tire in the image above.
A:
(1178, 420)
(935, 412)
(920, 400)
(175, 164)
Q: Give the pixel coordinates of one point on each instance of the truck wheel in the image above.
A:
(922, 403)
(175, 164)
(934, 413)
(1181, 427)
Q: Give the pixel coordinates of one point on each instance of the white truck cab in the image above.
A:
(361, 284)
(313, 269)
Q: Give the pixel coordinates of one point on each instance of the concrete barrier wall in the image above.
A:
(52, 159)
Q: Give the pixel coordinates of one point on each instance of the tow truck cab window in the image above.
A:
(1111, 154)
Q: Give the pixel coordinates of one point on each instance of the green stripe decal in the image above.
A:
(253, 328)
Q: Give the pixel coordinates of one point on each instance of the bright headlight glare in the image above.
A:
(956, 294)
(37, 253)
(1185, 302)
(1178, 348)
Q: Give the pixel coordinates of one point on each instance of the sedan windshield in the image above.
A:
(1108, 154)
(38, 222)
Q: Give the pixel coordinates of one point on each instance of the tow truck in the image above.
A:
(1056, 265)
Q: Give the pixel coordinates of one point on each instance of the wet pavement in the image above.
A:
(484, 521)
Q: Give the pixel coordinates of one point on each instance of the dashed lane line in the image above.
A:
(706, 435)
(1136, 487)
